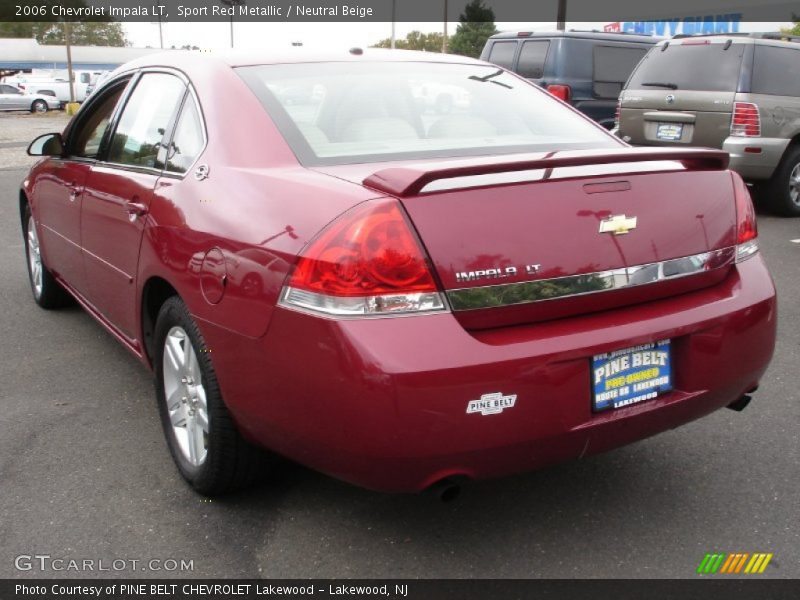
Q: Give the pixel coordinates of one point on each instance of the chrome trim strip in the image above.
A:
(542, 290)
(348, 307)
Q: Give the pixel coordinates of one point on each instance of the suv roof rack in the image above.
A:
(763, 35)
(609, 32)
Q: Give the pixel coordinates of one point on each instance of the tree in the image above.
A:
(793, 30)
(416, 40)
(83, 33)
(477, 25)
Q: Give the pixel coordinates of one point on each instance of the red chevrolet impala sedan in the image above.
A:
(319, 262)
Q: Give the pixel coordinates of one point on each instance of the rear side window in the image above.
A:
(612, 67)
(700, 67)
(776, 71)
(187, 143)
(144, 120)
(502, 54)
(532, 58)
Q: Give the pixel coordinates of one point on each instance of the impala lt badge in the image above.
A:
(491, 404)
(618, 224)
(496, 273)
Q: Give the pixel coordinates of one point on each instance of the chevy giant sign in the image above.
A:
(727, 23)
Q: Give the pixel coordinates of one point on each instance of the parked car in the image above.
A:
(96, 82)
(13, 98)
(403, 304)
(740, 93)
(55, 83)
(585, 68)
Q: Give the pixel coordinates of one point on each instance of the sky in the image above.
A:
(253, 36)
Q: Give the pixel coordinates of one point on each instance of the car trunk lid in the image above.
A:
(667, 118)
(533, 237)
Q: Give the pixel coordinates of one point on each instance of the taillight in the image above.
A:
(367, 262)
(746, 227)
(746, 120)
(617, 112)
(562, 92)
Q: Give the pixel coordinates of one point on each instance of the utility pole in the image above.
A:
(394, 3)
(232, 4)
(70, 76)
(444, 37)
(561, 18)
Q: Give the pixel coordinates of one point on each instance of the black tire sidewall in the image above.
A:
(779, 198)
(37, 103)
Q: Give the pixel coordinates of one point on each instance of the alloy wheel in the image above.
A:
(185, 396)
(794, 185)
(34, 258)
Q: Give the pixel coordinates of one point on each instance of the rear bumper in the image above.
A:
(762, 159)
(382, 402)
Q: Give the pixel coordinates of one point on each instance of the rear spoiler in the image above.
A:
(410, 181)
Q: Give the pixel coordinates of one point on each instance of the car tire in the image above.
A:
(203, 439)
(47, 292)
(39, 106)
(782, 192)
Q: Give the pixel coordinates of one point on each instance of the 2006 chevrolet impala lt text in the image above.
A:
(319, 263)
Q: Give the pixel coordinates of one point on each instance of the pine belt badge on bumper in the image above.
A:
(491, 404)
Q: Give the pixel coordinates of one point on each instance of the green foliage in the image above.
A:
(793, 30)
(477, 25)
(83, 33)
(416, 40)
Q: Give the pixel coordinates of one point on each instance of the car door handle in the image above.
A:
(74, 192)
(136, 209)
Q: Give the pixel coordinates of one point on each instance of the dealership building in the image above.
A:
(25, 55)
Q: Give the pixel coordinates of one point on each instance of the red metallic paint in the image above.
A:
(381, 402)
(59, 198)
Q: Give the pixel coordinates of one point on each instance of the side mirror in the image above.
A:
(49, 144)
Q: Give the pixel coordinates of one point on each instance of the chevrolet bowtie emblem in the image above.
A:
(618, 224)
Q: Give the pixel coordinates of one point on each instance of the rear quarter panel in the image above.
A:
(257, 206)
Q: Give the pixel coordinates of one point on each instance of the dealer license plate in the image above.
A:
(669, 131)
(630, 376)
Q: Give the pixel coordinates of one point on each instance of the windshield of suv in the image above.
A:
(700, 67)
(341, 113)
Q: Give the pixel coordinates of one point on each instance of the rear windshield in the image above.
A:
(340, 113)
(612, 67)
(699, 67)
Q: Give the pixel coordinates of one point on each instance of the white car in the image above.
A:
(13, 98)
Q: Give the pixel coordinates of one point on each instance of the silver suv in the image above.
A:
(737, 92)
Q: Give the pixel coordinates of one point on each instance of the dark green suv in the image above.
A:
(740, 93)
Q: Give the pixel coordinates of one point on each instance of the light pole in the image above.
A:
(232, 4)
(68, 42)
(394, 2)
(561, 17)
(444, 37)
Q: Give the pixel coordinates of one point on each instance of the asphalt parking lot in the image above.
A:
(85, 473)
